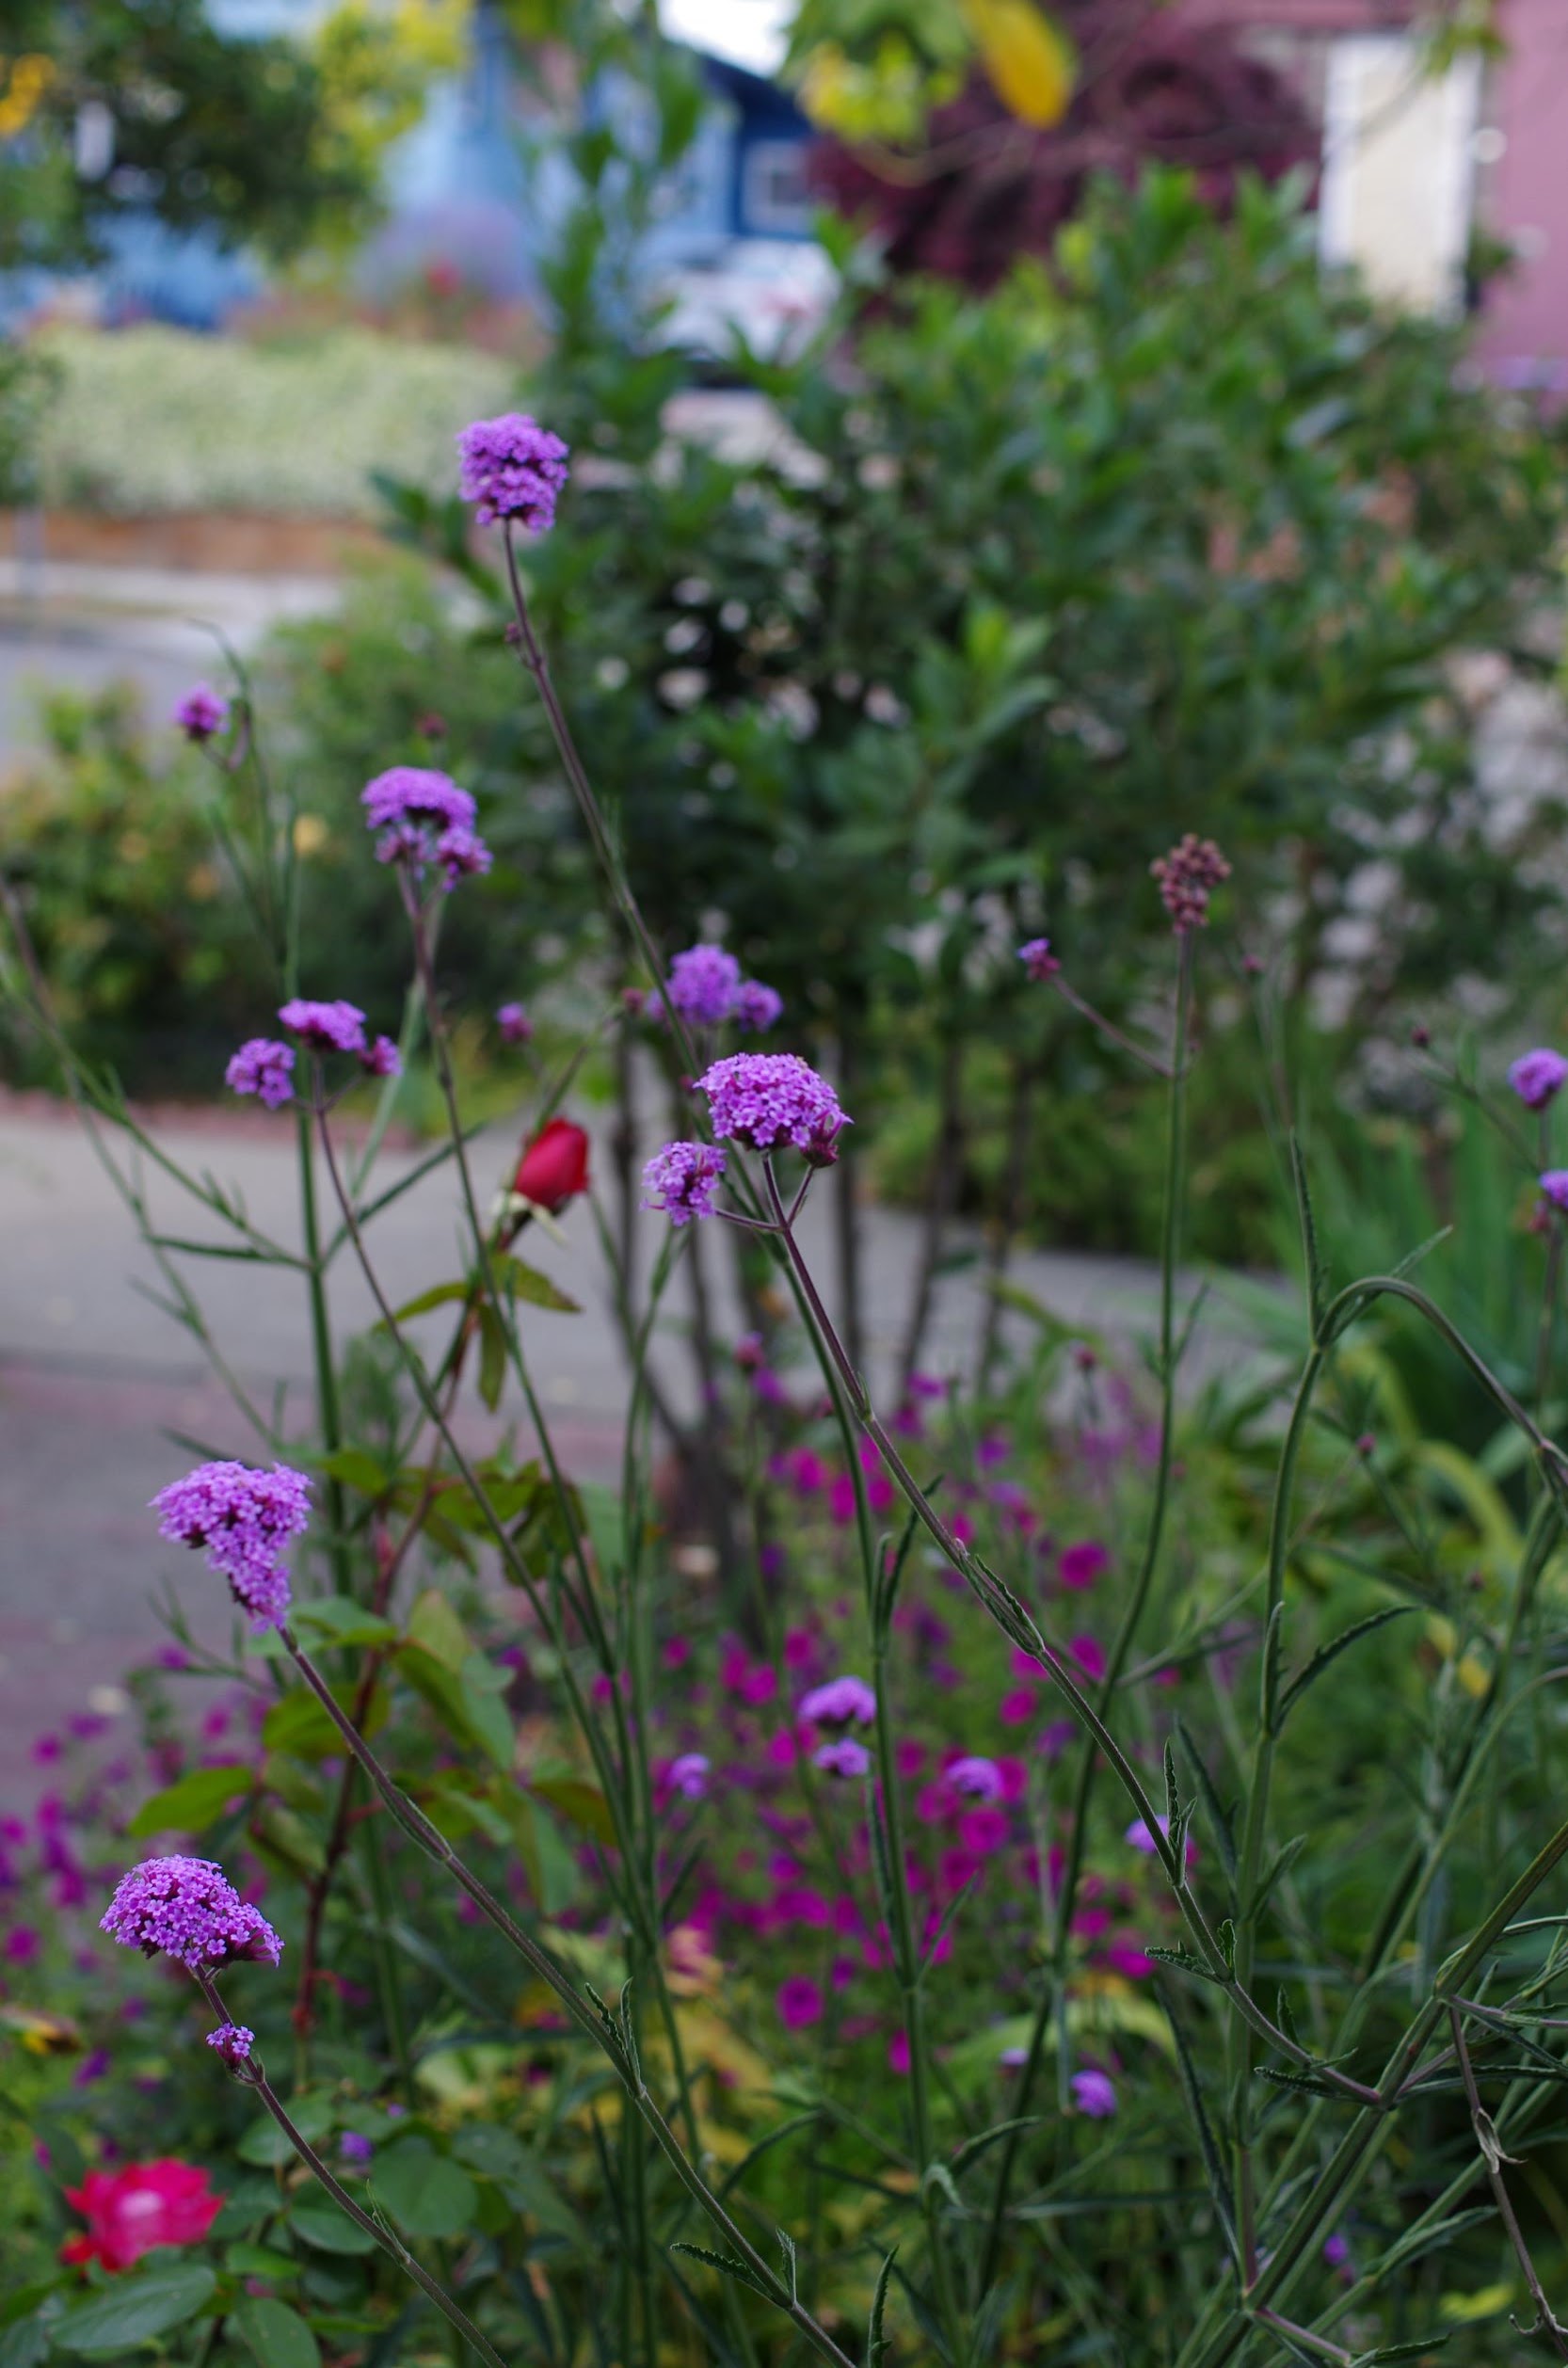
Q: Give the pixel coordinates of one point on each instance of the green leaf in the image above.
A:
(581, 1804)
(425, 2193)
(492, 1356)
(527, 1283)
(135, 2310)
(341, 1621)
(731, 2267)
(25, 2344)
(26, 2298)
(317, 2221)
(297, 1722)
(438, 1295)
(877, 2341)
(263, 2142)
(193, 1803)
(277, 2336)
(357, 1469)
(499, 2154)
(1404, 2351)
(1329, 1652)
(435, 1627)
(1316, 1275)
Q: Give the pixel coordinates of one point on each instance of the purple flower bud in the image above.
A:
(1038, 959)
(688, 1775)
(1094, 2094)
(511, 467)
(264, 1067)
(1188, 877)
(513, 1024)
(233, 2042)
(1555, 1186)
(1538, 1077)
(381, 1059)
(684, 1181)
(843, 1758)
(201, 714)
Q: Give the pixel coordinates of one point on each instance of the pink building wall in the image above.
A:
(1523, 195)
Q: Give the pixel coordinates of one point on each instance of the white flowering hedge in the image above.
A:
(152, 420)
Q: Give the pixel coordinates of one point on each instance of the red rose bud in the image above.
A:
(553, 1168)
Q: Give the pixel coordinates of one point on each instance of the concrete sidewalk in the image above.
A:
(104, 1397)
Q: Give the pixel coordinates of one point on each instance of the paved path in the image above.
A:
(100, 1390)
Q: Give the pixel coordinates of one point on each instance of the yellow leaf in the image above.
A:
(41, 2034)
(1485, 2304)
(1026, 56)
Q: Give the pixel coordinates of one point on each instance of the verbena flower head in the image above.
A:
(684, 1181)
(844, 1757)
(233, 2042)
(1188, 877)
(422, 819)
(264, 1067)
(187, 1908)
(244, 1519)
(1094, 2093)
(1555, 1185)
(202, 713)
(756, 1007)
(462, 854)
(688, 1775)
(977, 1779)
(1538, 1077)
(1038, 959)
(381, 1059)
(511, 467)
(838, 1703)
(513, 1024)
(325, 1027)
(767, 1098)
(702, 986)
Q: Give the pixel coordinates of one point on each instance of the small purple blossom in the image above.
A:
(381, 1059)
(187, 1908)
(324, 1027)
(355, 2148)
(264, 1067)
(511, 467)
(233, 2042)
(1188, 877)
(684, 1181)
(799, 2001)
(842, 1701)
(1538, 1077)
(702, 986)
(462, 854)
(244, 1519)
(513, 1024)
(767, 1098)
(1142, 1839)
(843, 1758)
(688, 1775)
(977, 1779)
(1094, 2093)
(202, 713)
(1038, 960)
(1555, 1185)
(758, 1007)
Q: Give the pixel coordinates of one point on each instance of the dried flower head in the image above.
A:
(264, 1067)
(1538, 1077)
(245, 1520)
(684, 1181)
(511, 467)
(187, 1908)
(768, 1099)
(1188, 877)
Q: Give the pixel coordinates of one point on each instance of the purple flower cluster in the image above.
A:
(1538, 1077)
(233, 2042)
(511, 467)
(976, 1778)
(757, 1008)
(325, 1028)
(187, 1908)
(684, 1181)
(1188, 877)
(1038, 960)
(1555, 1185)
(706, 988)
(845, 1758)
(264, 1067)
(840, 1703)
(688, 1775)
(423, 818)
(513, 1024)
(244, 1519)
(767, 1098)
(201, 714)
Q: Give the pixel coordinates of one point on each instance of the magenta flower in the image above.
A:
(511, 467)
(1555, 1185)
(1142, 1839)
(381, 1059)
(756, 1007)
(233, 2042)
(1089, 1654)
(201, 714)
(1538, 1077)
(244, 1519)
(842, 1701)
(1188, 877)
(1094, 2094)
(1038, 960)
(462, 854)
(1080, 1565)
(845, 1758)
(187, 1908)
(684, 1181)
(513, 1024)
(799, 2001)
(324, 1027)
(263, 1066)
(764, 1100)
(688, 1775)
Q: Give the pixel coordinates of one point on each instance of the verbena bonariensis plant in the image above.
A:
(1290, 2048)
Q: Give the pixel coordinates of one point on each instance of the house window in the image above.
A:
(1399, 145)
(774, 195)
